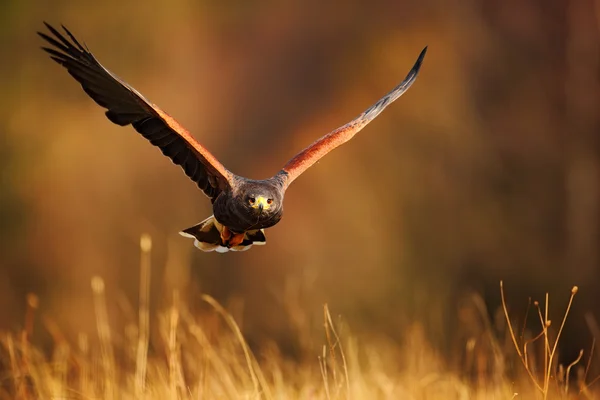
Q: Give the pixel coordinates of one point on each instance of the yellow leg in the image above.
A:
(236, 239)
(225, 235)
(230, 239)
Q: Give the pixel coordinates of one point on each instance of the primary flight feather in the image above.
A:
(242, 207)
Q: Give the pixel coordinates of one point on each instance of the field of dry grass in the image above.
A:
(487, 170)
(175, 354)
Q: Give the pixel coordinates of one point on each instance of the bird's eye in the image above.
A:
(252, 200)
(269, 201)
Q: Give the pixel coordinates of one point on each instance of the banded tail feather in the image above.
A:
(207, 237)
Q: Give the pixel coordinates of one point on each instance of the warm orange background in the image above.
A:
(486, 169)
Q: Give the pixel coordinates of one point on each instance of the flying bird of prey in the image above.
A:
(242, 207)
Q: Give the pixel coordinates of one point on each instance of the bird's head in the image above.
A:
(261, 200)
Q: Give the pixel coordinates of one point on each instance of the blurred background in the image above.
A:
(486, 169)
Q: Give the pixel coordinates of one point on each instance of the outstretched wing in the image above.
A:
(313, 153)
(126, 106)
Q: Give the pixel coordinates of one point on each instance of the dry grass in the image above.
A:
(554, 378)
(206, 357)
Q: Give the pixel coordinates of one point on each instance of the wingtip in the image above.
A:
(415, 69)
(422, 55)
(66, 30)
(47, 26)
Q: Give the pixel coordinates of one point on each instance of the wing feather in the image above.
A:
(313, 153)
(126, 106)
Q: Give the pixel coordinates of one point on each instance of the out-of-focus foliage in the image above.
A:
(486, 169)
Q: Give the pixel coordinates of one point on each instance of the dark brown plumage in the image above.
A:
(242, 207)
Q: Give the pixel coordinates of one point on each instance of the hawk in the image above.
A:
(242, 207)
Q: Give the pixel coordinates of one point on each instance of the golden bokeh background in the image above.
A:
(486, 169)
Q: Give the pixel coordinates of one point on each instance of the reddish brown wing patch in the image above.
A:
(211, 161)
(313, 153)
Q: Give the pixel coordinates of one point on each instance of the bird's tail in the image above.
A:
(207, 237)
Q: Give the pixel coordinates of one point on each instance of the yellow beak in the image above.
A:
(261, 203)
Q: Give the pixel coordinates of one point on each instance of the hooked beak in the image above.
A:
(261, 203)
